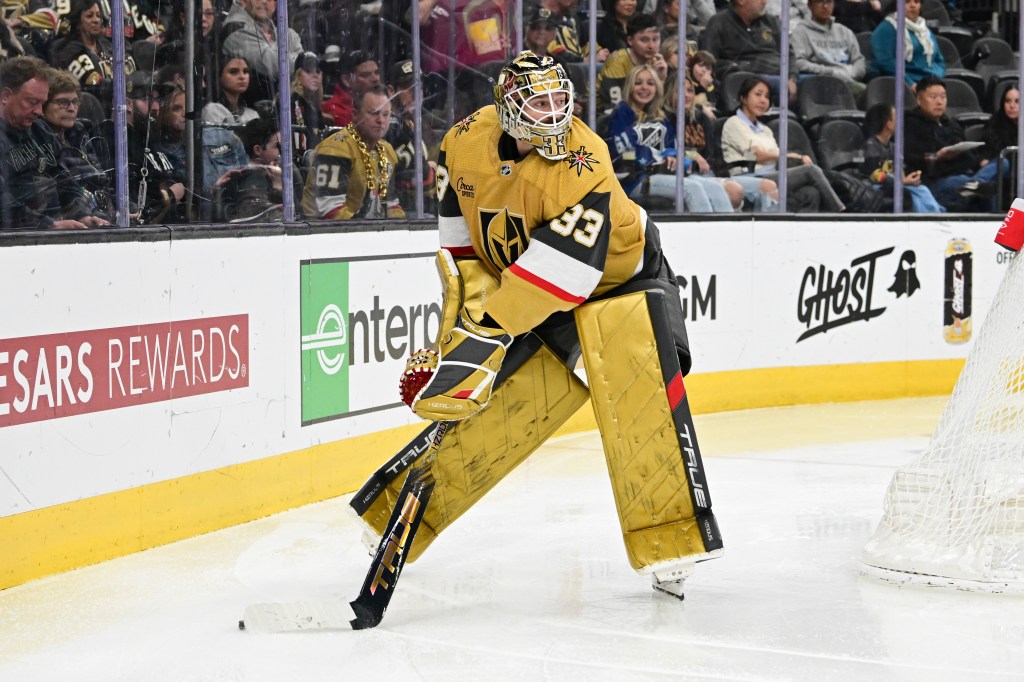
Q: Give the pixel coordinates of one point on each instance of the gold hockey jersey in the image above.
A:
(336, 182)
(557, 232)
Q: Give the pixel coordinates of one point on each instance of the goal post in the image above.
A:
(955, 516)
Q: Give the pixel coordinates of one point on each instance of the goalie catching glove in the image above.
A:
(456, 381)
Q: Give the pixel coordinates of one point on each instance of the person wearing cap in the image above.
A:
(401, 135)
(307, 98)
(358, 71)
(567, 46)
(250, 31)
(154, 196)
(540, 32)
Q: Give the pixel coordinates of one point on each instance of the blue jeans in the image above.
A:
(701, 195)
(947, 189)
(922, 200)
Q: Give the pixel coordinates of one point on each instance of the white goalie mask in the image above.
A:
(534, 98)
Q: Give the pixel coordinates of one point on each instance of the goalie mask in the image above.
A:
(533, 96)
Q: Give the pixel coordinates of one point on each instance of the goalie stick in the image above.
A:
(405, 520)
(381, 579)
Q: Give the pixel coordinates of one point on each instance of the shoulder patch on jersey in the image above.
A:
(580, 159)
(463, 125)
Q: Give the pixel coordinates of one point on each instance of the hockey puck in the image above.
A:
(241, 625)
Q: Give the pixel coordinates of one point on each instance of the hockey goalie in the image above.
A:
(544, 260)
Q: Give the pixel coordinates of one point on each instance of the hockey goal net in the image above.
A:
(955, 517)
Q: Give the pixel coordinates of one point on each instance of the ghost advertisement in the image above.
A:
(829, 298)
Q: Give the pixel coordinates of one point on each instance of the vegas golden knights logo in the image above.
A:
(504, 236)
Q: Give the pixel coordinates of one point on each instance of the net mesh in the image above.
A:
(958, 511)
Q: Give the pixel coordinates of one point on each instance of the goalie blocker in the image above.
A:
(635, 351)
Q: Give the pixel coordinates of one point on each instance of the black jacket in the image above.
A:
(739, 47)
(36, 188)
(924, 137)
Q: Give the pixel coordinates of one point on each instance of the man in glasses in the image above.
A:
(37, 191)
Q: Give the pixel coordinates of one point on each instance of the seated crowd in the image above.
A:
(353, 118)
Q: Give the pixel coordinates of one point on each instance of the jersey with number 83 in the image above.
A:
(557, 232)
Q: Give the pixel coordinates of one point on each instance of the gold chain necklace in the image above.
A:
(382, 163)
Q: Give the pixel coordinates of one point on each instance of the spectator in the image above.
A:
(229, 108)
(170, 131)
(821, 46)
(31, 29)
(642, 142)
(155, 194)
(860, 16)
(36, 190)
(567, 45)
(644, 43)
(172, 49)
(483, 27)
(81, 147)
(921, 50)
(959, 179)
(1001, 129)
(760, 193)
(670, 51)
(352, 174)
(745, 138)
(255, 191)
(401, 135)
(307, 98)
(358, 71)
(667, 16)
(698, 14)
(743, 38)
(222, 151)
(435, 23)
(701, 65)
(612, 30)
(250, 32)
(541, 28)
(879, 128)
(87, 53)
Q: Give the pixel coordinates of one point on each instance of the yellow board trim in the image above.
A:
(59, 538)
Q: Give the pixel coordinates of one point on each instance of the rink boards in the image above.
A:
(154, 390)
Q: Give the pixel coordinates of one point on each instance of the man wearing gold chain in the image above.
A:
(352, 172)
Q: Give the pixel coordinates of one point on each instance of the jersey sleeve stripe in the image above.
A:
(559, 271)
(454, 232)
(543, 284)
(331, 205)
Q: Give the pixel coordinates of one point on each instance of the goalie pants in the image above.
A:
(634, 346)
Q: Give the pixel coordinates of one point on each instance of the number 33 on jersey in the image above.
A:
(558, 232)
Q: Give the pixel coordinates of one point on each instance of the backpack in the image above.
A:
(859, 195)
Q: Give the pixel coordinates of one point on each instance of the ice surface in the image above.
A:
(534, 583)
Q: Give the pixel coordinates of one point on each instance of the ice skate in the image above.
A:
(670, 581)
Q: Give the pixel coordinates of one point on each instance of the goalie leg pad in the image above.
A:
(526, 409)
(650, 445)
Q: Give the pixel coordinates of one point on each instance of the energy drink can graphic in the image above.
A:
(956, 309)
